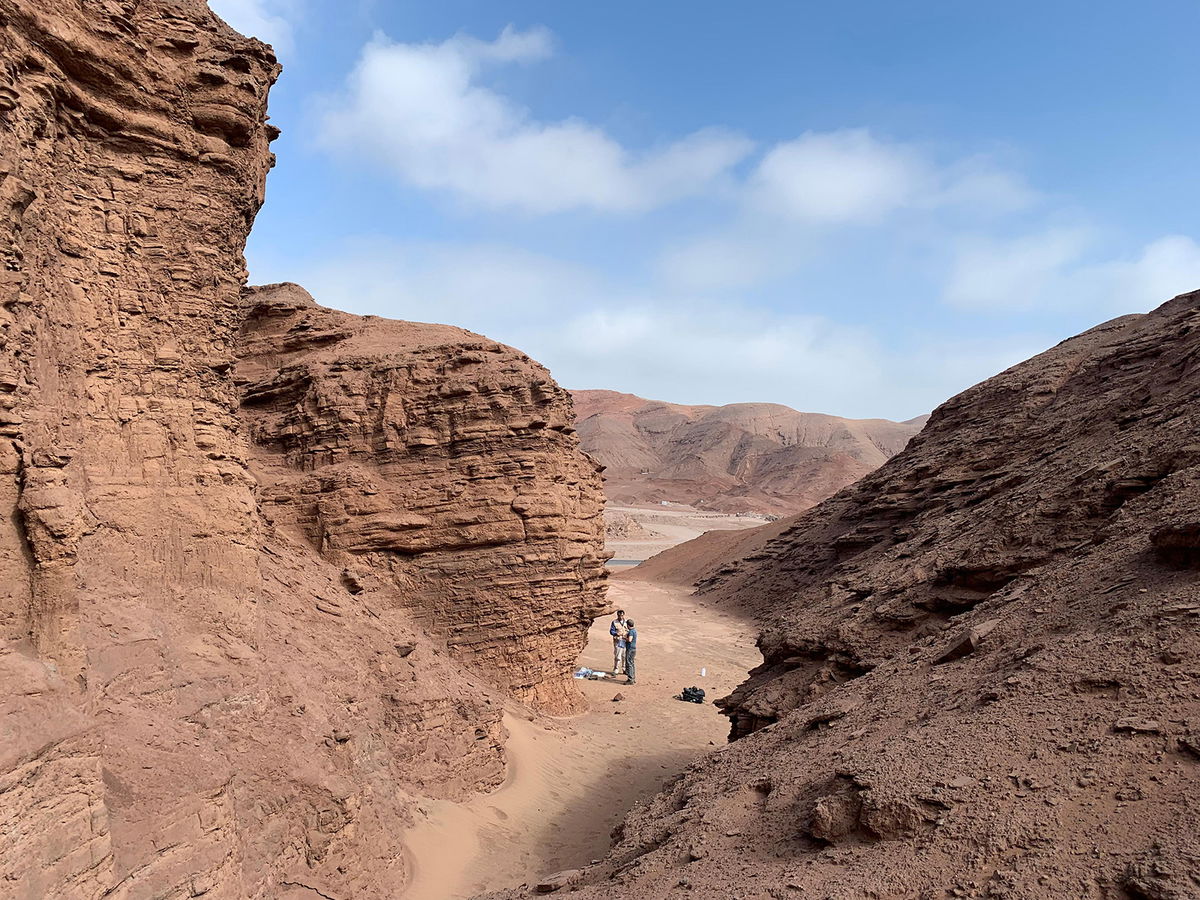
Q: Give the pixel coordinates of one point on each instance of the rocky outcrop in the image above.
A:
(622, 526)
(979, 662)
(740, 458)
(127, 507)
(440, 463)
(254, 601)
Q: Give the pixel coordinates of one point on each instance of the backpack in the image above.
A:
(692, 695)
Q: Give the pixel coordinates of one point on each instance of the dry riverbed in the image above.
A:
(658, 528)
(571, 781)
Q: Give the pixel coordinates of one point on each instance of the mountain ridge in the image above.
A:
(762, 458)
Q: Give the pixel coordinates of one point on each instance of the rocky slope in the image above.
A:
(981, 661)
(267, 572)
(745, 457)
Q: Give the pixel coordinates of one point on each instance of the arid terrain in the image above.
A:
(635, 533)
(571, 781)
(269, 573)
(980, 661)
(291, 599)
(746, 458)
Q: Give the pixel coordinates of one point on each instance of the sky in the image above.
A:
(858, 208)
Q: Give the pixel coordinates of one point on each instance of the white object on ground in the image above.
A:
(704, 672)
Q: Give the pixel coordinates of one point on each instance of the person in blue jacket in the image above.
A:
(618, 630)
(631, 654)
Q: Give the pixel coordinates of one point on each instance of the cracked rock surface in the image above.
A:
(268, 573)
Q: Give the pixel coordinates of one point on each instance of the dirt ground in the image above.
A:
(668, 526)
(571, 781)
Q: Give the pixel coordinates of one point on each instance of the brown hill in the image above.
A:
(745, 457)
(980, 661)
(268, 572)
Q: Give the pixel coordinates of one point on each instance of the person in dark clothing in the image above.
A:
(630, 653)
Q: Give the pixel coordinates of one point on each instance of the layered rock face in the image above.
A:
(440, 462)
(134, 154)
(232, 636)
(740, 458)
(980, 661)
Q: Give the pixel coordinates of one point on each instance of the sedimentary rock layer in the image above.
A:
(233, 623)
(740, 458)
(980, 661)
(444, 464)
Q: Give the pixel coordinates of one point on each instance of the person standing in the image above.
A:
(631, 653)
(618, 629)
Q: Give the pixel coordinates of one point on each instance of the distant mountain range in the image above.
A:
(744, 457)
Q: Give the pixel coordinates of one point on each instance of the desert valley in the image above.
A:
(297, 603)
(673, 473)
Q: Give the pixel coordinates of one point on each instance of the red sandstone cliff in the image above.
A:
(267, 572)
(980, 661)
(744, 457)
(439, 464)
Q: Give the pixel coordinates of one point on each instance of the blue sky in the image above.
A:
(856, 208)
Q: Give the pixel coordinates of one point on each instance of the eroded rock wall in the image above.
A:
(196, 702)
(444, 464)
(133, 151)
(980, 661)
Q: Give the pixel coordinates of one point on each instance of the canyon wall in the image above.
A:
(980, 661)
(441, 463)
(134, 154)
(267, 573)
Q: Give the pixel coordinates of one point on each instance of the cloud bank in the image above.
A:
(592, 332)
(1061, 269)
(840, 270)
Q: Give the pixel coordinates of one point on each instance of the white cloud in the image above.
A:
(809, 196)
(851, 177)
(741, 353)
(481, 287)
(1063, 269)
(838, 177)
(1165, 268)
(593, 333)
(420, 110)
(1021, 273)
(977, 185)
(426, 113)
(267, 20)
(722, 263)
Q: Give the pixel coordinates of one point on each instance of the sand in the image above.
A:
(668, 526)
(571, 781)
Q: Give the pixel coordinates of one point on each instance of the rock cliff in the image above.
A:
(440, 463)
(980, 661)
(267, 572)
(740, 458)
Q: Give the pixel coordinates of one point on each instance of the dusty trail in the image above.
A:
(571, 781)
